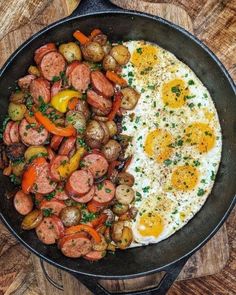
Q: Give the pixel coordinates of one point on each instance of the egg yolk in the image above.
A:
(150, 224)
(201, 135)
(145, 57)
(157, 145)
(184, 178)
(174, 93)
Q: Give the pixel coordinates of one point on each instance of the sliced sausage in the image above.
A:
(79, 183)
(24, 82)
(96, 164)
(61, 195)
(75, 245)
(14, 133)
(54, 165)
(56, 87)
(51, 154)
(43, 50)
(55, 206)
(32, 135)
(67, 146)
(43, 183)
(95, 255)
(80, 77)
(102, 84)
(104, 192)
(55, 142)
(52, 64)
(85, 198)
(23, 203)
(40, 89)
(70, 68)
(50, 230)
(6, 133)
(98, 101)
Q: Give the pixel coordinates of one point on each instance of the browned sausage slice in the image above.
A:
(55, 206)
(43, 183)
(85, 198)
(67, 146)
(95, 255)
(52, 65)
(56, 141)
(104, 191)
(96, 164)
(79, 183)
(75, 245)
(14, 133)
(50, 230)
(80, 77)
(23, 203)
(54, 165)
(40, 90)
(99, 102)
(43, 50)
(24, 82)
(102, 84)
(32, 135)
(70, 68)
(6, 133)
(56, 87)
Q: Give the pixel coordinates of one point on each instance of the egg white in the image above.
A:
(152, 179)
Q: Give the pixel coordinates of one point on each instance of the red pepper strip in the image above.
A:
(86, 228)
(115, 106)
(30, 175)
(100, 220)
(95, 207)
(52, 128)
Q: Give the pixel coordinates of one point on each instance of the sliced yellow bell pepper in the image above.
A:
(61, 99)
(72, 165)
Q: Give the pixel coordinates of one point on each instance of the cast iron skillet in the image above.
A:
(171, 254)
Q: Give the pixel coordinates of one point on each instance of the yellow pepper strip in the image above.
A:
(61, 99)
(72, 165)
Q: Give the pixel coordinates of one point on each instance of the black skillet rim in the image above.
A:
(224, 71)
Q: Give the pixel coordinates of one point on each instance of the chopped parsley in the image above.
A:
(47, 212)
(139, 197)
(213, 176)
(14, 179)
(176, 90)
(191, 82)
(200, 192)
(167, 162)
(196, 163)
(50, 196)
(87, 216)
(146, 189)
(139, 50)
(55, 79)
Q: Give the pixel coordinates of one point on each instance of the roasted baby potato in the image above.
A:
(16, 111)
(71, 51)
(93, 52)
(130, 98)
(124, 194)
(34, 151)
(121, 54)
(32, 219)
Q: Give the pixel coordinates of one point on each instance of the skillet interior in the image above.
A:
(127, 26)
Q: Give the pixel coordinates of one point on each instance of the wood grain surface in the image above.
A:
(212, 21)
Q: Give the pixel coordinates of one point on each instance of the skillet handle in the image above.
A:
(172, 273)
(90, 6)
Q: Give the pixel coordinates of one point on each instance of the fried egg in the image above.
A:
(176, 142)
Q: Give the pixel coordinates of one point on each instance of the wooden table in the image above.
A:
(213, 22)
